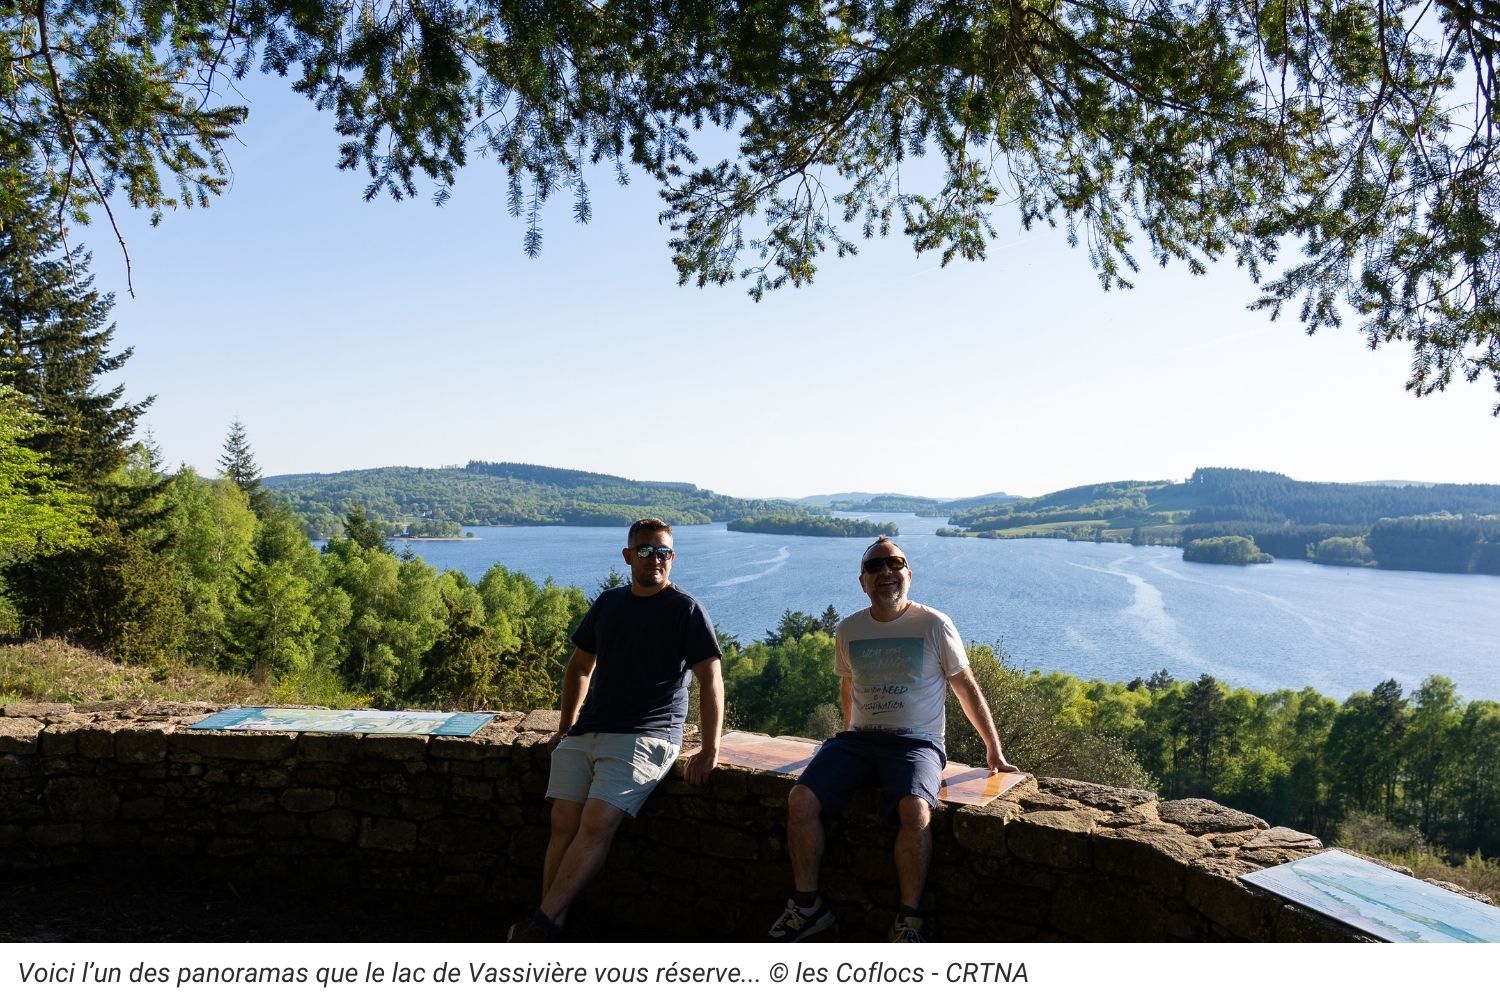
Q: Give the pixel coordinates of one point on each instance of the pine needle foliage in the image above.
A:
(1354, 138)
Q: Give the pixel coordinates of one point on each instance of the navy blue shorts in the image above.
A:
(898, 765)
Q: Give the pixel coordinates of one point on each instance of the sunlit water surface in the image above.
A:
(1107, 611)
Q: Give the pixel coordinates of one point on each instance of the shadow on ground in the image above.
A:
(94, 905)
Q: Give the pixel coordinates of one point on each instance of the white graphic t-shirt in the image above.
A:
(900, 670)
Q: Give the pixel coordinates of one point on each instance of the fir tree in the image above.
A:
(237, 464)
(364, 531)
(459, 670)
(55, 349)
(55, 336)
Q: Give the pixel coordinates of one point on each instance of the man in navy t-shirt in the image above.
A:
(624, 699)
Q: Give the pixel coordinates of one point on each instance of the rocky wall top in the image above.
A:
(1053, 859)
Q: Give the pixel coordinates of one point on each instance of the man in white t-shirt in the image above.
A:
(896, 660)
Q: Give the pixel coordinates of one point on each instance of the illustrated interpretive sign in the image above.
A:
(1378, 901)
(322, 720)
(961, 785)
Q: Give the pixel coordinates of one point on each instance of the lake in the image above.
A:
(1105, 611)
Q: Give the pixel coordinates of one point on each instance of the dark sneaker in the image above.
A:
(906, 930)
(798, 925)
(534, 929)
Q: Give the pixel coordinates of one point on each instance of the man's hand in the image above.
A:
(554, 741)
(701, 766)
(710, 720)
(994, 757)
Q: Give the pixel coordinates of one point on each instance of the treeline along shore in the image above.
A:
(1446, 528)
(437, 502)
(814, 525)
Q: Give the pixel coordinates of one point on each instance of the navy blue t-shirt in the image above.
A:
(645, 647)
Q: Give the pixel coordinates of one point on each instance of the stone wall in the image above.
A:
(1051, 860)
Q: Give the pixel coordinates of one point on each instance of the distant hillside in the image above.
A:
(1395, 482)
(503, 493)
(1440, 526)
(829, 499)
(1114, 506)
(901, 503)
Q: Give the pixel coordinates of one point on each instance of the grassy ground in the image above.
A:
(1475, 874)
(1376, 837)
(53, 671)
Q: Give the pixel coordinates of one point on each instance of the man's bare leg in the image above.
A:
(582, 858)
(804, 837)
(913, 849)
(565, 819)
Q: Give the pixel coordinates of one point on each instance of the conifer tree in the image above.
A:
(237, 464)
(55, 348)
(459, 669)
(364, 531)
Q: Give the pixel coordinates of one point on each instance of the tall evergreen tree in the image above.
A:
(54, 345)
(55, 350)
(237, 464)
(364, 531)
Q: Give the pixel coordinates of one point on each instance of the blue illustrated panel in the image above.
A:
(321, 720)
(1378, 901)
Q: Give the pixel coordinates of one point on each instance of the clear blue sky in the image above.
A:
(347, 334)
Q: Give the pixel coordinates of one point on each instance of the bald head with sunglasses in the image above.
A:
(885, 578)
(896, 663)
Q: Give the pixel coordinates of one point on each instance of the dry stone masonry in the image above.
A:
(1053, 860)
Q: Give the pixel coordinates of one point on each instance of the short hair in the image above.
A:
(647, 524)
(882, 538)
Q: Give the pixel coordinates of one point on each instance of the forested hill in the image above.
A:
(1240, 494)
(1231, 495)
(1444, 526)
(436, 501)
(901, 503)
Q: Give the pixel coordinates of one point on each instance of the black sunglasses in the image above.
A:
(659, 551)
(879, 563)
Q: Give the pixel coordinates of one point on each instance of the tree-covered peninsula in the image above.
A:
(1226, 550)
(1442, 527)
(501, 493)
(814, 525)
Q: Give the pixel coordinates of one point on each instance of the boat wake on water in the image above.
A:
(773, 565)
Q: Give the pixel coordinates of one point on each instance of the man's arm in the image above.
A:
(971, 700)
(710, 718)
(574, 686)
(846, 701)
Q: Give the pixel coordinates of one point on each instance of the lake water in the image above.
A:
(1108, 611)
